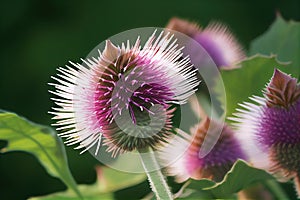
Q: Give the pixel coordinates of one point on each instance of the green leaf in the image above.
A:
(250, 79)
(239, 177)
(108, 181)
(283, 40)
(41, 141)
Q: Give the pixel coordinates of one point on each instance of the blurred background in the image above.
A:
(39, 36)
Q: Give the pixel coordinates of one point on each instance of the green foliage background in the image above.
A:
(38, 36)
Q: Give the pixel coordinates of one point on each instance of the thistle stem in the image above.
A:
(276, 189)
(156, 179)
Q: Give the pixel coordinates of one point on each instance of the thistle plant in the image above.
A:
(124, 97)
(214, 165)
(216, 38)
(270, 128)
(133, 107)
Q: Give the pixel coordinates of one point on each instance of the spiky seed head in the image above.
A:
(270, 127)
(124, 96)
(218, 41)
(215, 164)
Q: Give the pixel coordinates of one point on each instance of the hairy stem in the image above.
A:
(156, 179)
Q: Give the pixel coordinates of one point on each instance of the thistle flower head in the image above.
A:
(214, 165)
(271, 127)
(124, 96)
(216, 39)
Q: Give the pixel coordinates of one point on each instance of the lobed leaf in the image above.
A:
(282, 39)
(41, 141)
(238, 178)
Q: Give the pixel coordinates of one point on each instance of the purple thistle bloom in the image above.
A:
(270, 130)
(124, 96)
(214, 165)
(216, 39)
